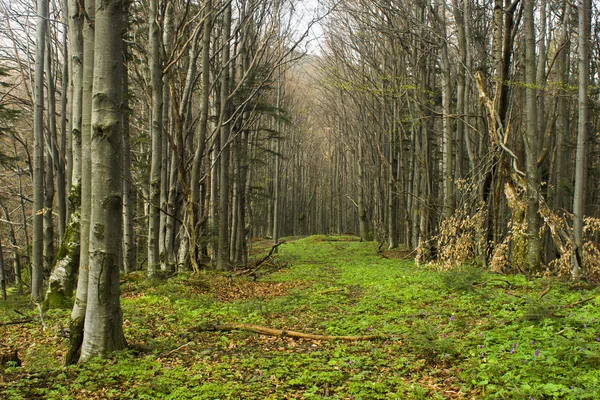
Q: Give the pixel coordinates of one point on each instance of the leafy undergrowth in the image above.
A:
(455, 335)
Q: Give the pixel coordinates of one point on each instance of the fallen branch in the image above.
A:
(179, 348)
(545, 292)
(335, 290)
(256, 267)
(39, 307)
(475, 284)
(283, 333)
(16, 322)
(258, 264)
(579, 302)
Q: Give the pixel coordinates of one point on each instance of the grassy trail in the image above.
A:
(449, 335)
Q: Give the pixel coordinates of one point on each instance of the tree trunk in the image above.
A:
(66, 262)
(534, 249)
(156, 135)
(3, 283)
(223, 252)
(79, 308)
(129, 250)
(37, 267)
(103, 331)
(17, 256)
(584, 11)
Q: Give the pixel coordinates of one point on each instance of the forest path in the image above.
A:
(444, 336)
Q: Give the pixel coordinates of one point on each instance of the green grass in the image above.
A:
(459, 334)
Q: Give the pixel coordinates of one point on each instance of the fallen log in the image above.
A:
(263, 330)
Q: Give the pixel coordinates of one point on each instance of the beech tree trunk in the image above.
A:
(223, 251)
(37, 267)
(584, 12)
(534, 243)
(103, 329)
(156, 135)
(78, 313)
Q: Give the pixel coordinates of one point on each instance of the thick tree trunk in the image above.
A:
(103, 329)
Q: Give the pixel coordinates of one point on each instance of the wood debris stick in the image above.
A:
(545, 292)
(579, 302)
(179, 348)
(39, 307)
(263, 330)
(252, 270)
(16, 322)
(475, 284)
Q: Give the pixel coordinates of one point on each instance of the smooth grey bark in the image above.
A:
(156, 130)
(52, 169)
(362, 209)
(534, 243)
(447, 131)
(225, 129)
(197, 200)
(563, 121)
(64, 160)
(78, 314)
(129, 248)
(165, 235)
(584, 12)
(66, 263)
(37, 267)
(103, 329)
(48, 207)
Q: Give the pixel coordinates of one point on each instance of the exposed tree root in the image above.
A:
(283, 333)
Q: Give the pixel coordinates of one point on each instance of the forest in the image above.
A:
(254, 199)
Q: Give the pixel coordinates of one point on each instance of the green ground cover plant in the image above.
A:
(459, 334)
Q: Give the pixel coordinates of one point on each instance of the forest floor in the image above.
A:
(464, 334)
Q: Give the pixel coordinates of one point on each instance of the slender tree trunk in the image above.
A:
(3, 282)
(534, 249)
(165, 236)
(584, 11)
(197, 201)
(563, 120)
(223, 258)
(362, 209)
(64, 160)
(78, 314)
(156, 135)
(52, 170)
(37, 278)
(129, 249)
(66, 263)
(16, 255)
